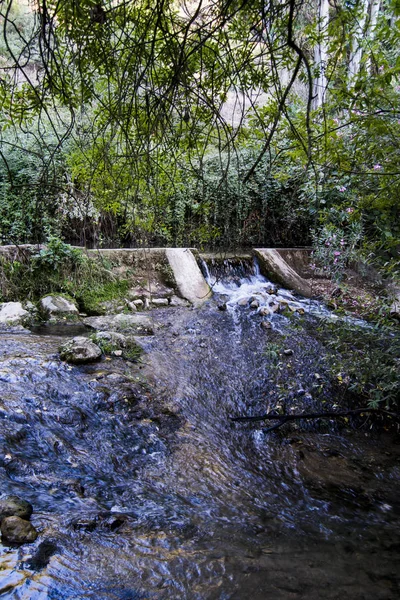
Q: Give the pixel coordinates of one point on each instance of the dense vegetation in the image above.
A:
(223, 123)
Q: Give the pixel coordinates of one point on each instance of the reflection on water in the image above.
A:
(143, 488)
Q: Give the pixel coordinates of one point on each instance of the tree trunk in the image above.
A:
(321, 55)
(356, 45)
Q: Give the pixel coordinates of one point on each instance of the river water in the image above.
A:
(143, 488)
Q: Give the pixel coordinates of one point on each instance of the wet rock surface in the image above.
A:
(15, 530)
(14, 506)
(122, 323)
(80, 350)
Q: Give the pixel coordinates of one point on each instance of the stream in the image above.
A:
(143, 488)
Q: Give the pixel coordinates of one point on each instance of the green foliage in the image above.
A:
(59, 268)
(336, 243)
(364, 361)
(91, 294)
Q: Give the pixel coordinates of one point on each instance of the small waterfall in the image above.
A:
(239, 283)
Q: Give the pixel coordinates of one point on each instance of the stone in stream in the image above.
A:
(288, 352)
(243, 301)
(17, 531)
(264, 311)
(222, 306)
(273, 307)
(116, 339)
(123, 323)
(159, 301)
(58, 306)
(12, 313)
(14, 506)
(266, 325)
(176, 301)
(79, 350)
(132, 306)
(254, 304)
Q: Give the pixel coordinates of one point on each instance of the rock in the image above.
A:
(159, 301)
(117, 352)
(301, 392)
(14, 506)
(12, 313)
(127, 324)
(264, 311)
(243, 301)
(116, 339)
(58, 305)
(17, 531)
(176, 301)
(80, 350)
(138, 303)
(272, 290)
(132, 306)
(222, 306)
(288, 352)
(274, 307)
(266, 325)
(254, 304)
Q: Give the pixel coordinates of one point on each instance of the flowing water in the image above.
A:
(142, 487)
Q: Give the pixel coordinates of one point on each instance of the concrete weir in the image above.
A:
(188, 277)
(275, 267)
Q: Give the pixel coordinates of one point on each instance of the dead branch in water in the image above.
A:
(319, 415)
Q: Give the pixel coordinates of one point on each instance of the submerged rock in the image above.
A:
(12, 313)
(58, 305)
(80, 350)
(14, 506)
(17, 531)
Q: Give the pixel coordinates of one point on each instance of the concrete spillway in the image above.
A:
(188, 277)
(280, 271)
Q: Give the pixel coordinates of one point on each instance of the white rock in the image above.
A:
(12, 312)
(159, 301)
(56, 305)
(176, 301)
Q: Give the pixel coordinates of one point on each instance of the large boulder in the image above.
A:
(14, 506)
(58, 306)
(12, 313)
(17, 531)
(80, 350)
(137, 324)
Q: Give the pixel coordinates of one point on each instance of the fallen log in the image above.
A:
(318, 415)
